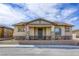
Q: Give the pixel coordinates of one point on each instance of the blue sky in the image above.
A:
(11, 13)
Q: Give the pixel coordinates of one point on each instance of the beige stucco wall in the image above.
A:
(69, 33)
(74, 35)
(52, 32)
(16, 33)
(63, 33)
(6, 32)
(31, 31)
(1, 33)
(49, 31)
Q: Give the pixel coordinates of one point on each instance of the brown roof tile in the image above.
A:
(4, 26)
(76, 30)
(55, 23)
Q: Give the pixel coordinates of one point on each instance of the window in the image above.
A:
(21, 29)
(67, 29)
(58, 31)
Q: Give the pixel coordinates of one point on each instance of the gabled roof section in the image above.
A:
(4, 26)
(77, 30)
(39, 19)
(20, 23)
(54, 23)
(24, 23)
(63, 24)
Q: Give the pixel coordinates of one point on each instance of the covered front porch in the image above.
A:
(45, 32)
(40, 32)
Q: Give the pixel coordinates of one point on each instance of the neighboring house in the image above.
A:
(41, 29)
(5, 32)
(75, 34)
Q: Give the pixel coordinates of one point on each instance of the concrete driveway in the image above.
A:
(9, 42)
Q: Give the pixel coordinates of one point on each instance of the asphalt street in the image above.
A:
(37, 51)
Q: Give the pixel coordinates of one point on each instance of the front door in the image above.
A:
(40, 33)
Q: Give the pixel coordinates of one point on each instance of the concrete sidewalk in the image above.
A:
(41, 46)
(9, 42)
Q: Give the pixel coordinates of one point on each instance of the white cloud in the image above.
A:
(9, 16)
(44, 10)
(71, 20)
(67, 12)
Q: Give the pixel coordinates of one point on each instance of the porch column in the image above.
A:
(52, 33)
(27, 31)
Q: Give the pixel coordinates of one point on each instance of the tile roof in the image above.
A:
(56, 23)
(63, 23)
(4, 26)
(76, 30)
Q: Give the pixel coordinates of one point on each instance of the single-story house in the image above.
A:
(6, 32)
(42, 29)
(75, 34)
